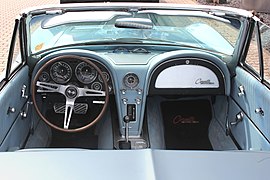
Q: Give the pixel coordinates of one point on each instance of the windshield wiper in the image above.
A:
(159, 41)
(112, 41)
(133, 41)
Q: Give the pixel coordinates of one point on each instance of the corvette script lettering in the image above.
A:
(200, 81)
(184, 120)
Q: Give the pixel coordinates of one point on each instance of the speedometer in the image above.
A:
(61, 72)
(85, 73)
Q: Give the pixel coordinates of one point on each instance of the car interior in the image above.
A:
(132, 96)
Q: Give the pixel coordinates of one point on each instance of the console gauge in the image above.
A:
(131, 80)
(105, 75)
(96, 86)
(44, 77)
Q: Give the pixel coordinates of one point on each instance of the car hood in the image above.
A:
(133, 164)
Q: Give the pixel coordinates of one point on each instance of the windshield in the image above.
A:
(170, 27)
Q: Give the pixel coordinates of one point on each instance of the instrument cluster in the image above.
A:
(80, 73)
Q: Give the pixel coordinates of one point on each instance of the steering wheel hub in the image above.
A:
(71, 92)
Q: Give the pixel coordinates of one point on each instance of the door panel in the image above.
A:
(245, 132)
(238, 130)
(12, 104)
(17, 134)
(255, 126)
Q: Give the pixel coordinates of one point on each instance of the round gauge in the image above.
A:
(105, 75)
(96, 86)
(61, 72)
(44, 77)
(131, 80)
(85, 73)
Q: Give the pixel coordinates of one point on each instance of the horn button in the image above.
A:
(71, 92)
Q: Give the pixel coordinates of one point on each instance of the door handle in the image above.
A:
(241, 91)
(239, 117)
(23, 92)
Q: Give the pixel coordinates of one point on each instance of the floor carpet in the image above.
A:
(186, 124)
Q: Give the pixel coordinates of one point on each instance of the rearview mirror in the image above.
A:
(136, 23)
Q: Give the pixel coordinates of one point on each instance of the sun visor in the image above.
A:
(80, 17)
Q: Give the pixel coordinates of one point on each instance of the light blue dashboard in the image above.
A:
(143, 68)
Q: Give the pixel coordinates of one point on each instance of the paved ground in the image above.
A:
(9, 9)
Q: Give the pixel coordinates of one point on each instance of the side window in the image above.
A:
(265, 44)
(253, 57)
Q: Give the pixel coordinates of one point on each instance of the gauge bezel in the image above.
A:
(43, 74)
(107, 76)
(56, 79)
(78, 73)
(131, 85)
(97, 83)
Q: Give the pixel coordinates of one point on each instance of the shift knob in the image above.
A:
(126, 119)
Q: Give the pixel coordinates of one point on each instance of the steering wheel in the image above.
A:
(71, 91)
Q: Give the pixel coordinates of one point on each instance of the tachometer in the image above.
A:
(61, 72)
(85, 73)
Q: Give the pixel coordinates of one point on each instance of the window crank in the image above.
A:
(25, 112)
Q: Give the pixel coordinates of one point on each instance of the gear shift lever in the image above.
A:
(126, 120)
(126, 144)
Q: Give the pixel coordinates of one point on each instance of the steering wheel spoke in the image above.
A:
(91, 93)
(50, 87)
(68, 113)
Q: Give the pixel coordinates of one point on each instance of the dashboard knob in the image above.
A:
(138, 101)
(125, 100)
(123, 91)
(139, 91)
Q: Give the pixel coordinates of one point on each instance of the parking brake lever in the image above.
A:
(126, 144)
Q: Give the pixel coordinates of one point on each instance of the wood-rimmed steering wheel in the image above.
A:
(71, 91)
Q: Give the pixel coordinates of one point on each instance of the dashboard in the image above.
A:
(134, 73)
